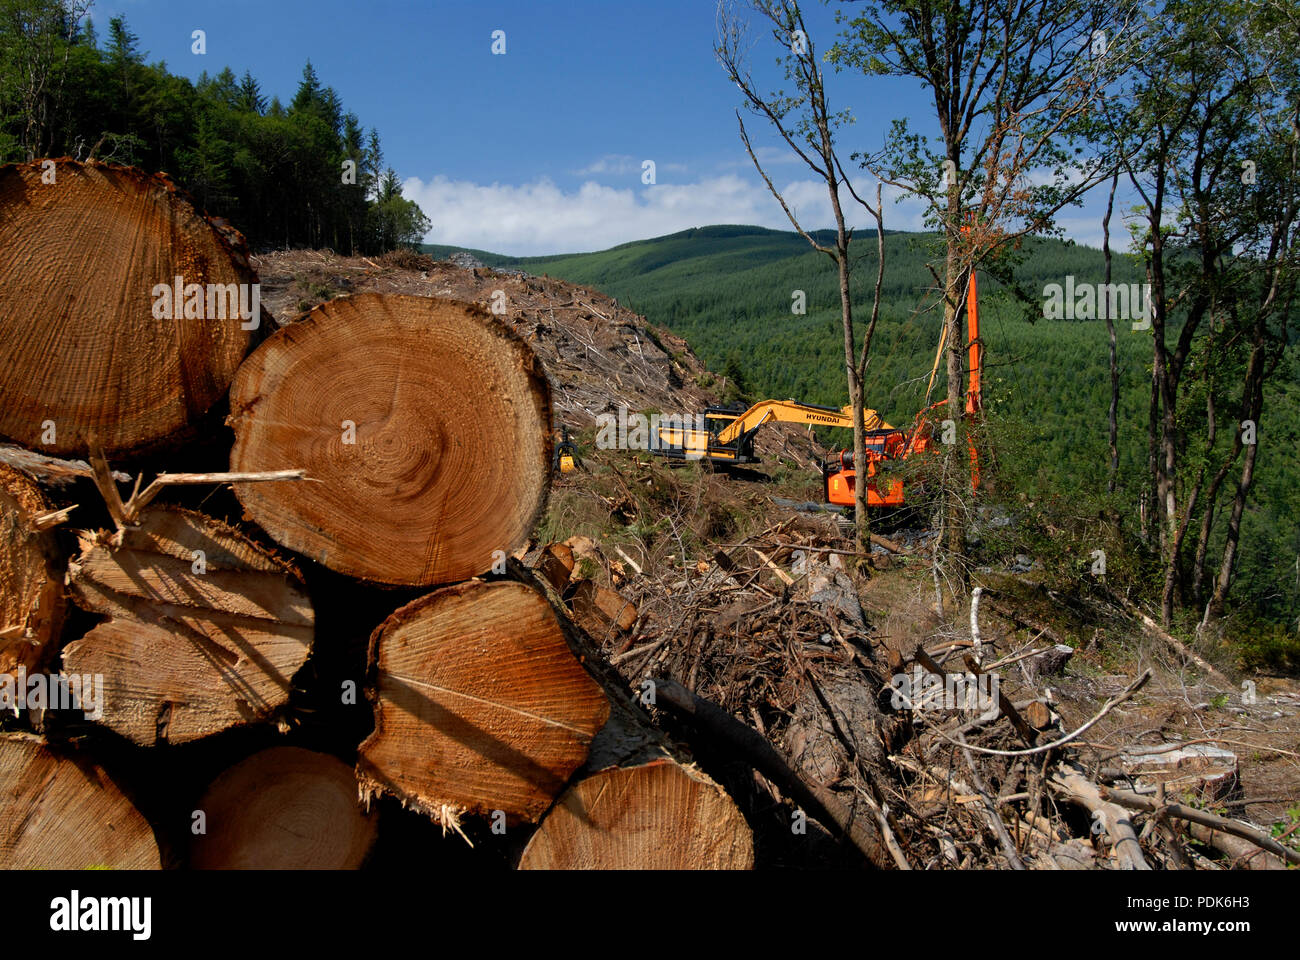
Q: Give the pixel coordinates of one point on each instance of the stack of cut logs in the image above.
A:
(380, 447)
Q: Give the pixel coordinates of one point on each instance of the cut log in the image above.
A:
(555, 564)
(285, 808)
(656, 816)
(87, 347)
(205, 629)
(1037, 714)
(480, 705)
(426, 421)
(58, 812)
(31, 578)
(600, 612)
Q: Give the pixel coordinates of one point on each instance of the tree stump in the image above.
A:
(64, 813)
(85, 351)
(285, 808)
(205, 629)
(427, 423)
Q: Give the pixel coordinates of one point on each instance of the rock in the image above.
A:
(1022, 564)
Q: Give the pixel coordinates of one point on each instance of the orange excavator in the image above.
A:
(840, 476)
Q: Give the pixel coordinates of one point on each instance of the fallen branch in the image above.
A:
(1110, 705)
(141, 500)
(1188, 655)
(1237, 829)
(1073, 785)
(50, 470)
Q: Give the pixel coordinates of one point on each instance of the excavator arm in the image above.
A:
(792, 411)
(728, 434)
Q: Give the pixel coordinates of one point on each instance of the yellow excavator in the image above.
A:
(728, 439)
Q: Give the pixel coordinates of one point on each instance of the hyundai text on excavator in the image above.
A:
(728, 437)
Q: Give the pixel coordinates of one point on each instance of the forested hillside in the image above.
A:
(302, 174)
(729, 290)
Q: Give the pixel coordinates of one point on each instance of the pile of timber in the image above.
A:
(387, 455)
(269, 600)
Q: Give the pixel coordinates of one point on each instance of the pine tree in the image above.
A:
(250, 97)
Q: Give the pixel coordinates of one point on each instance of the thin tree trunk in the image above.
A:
(1110, 331)
(954, 276)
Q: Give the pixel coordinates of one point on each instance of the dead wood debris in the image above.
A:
(763, 654)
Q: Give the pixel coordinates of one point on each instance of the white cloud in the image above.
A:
(541, 218)
(624, 165)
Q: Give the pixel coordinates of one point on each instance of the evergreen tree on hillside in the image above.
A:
(250, 97)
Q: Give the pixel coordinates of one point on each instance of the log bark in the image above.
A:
(31, 577)
(480, 704)
(285, 808)
(204, 628)
(655, 816)
(85, 352)
(61, 812)
(427, 423)
(753, 747)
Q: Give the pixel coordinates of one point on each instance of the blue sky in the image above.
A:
(539, 150)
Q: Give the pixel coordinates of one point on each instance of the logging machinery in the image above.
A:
(727, 437)
(565, 459)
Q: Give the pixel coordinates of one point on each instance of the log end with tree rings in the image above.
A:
(656, 816)
(59, 811)
(89, 252)
(424, 426)
(481, 705)
(204, 631)
(284, 808)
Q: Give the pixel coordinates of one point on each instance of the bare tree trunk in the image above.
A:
(954, 277)
(1110, 332)
(861, 520)
(1254, 392)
